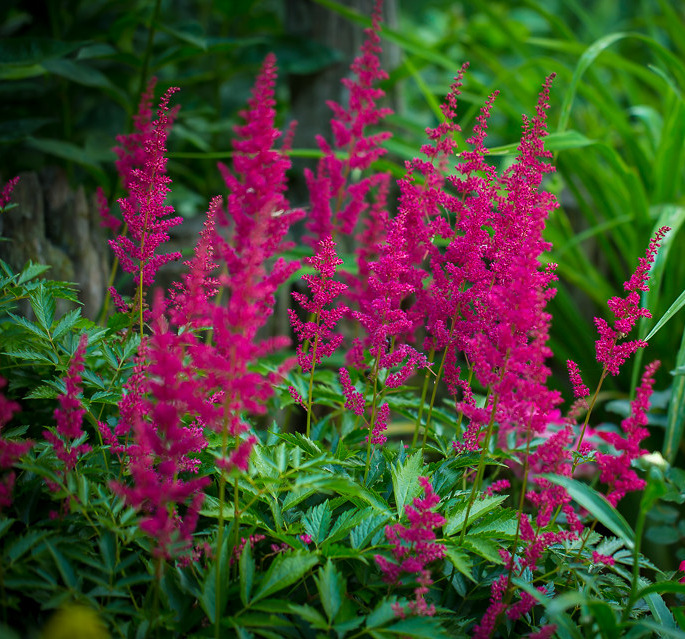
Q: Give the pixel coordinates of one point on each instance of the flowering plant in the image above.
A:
(179, 470)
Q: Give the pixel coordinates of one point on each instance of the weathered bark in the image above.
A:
(56, 225)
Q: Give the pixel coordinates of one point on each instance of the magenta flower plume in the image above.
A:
(354, 400)
(191, 298)
(162, 412)
(336, 204)
(616, 469)
(318, 334)
(580, 390)
(107, 220)
(259, 217)
(626, 311)
(142, 165)
(6, 193)
(414, 547)
(69, 416)
(10, 450)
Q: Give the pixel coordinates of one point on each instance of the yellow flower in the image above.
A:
(75, 621)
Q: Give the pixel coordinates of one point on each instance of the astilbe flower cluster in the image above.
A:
(257, 217)
(414, 547)
(69, 416)
(6, 193)
(336, 204)
(142, 167)
(162, 410)
(10, 450)
(317, 336)
(615, 469)
(611, 351)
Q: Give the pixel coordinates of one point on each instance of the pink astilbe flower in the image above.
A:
(318, 334)
(107, 220)
(414, 547)
(599, 558)
(258, 216)
(337, 205)
(69, 416)
(580, 390)
(626, 311)
(10, 450)
(191, 298)
(354, 400)
(380, 425)
(7, 192)
(161, 453)
(546, 632)
(142, 165)
(616, 470)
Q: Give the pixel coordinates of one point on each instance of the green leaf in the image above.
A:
(317, 521)
(67, 323)
(285, 570)
(659, 630)
(461, 561)
(605, 617)
(363, 534)
(28, 51)
(419, 627)
(43, 305)
(457, 519)
(405, 480)
(23, 544)
(556, 141)
(597, 506)
(70, 152)
(209, 595)
(331, 587)
(309, 614)
(247, 570)
(483, 547)
(63, 566)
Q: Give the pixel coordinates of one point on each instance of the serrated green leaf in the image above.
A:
(331, 586)
(309, 614)
(501, 524)
(285, 570)
(247, 570)
(30, 355)
(23, 544)
(31, 271)
(66, 323)
(309, 446)
(30, 326)
(461, 561)
(457, 519)
(43, 305)
(483, 547)
(317, 522)
(362, 535)
(63, 566)
(597, 506)
(43, 392)
(418, 627)
(405, 481)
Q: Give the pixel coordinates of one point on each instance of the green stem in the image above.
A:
(639, 529)
(481, 468)
(220, 534)
(373, 415)
(424, 390)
